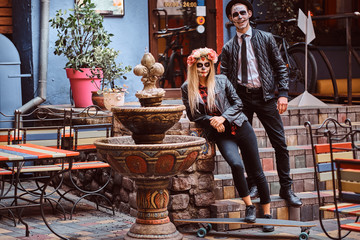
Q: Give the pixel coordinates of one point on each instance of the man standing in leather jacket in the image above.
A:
(256, 83)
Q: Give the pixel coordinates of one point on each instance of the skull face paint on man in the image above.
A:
(240, 16)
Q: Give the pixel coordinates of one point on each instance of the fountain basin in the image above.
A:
(156, 161)
(148, 124)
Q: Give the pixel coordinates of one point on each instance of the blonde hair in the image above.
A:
(193, 88)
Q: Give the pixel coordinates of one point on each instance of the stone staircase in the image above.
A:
(229, 205)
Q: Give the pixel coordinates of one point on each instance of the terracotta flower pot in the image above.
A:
(98, 99)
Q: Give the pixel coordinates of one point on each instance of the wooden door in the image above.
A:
(6, 17)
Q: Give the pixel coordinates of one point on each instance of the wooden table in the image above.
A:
(17, 155)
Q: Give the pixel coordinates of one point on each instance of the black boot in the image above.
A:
(290, 197)
(268, 228)
(253, 192)
(250, 214)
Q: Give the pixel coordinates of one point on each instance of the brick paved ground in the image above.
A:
(89, 223)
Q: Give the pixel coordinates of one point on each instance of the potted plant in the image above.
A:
(113, 94)
(79, 34)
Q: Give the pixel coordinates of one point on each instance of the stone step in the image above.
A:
(296, 116)
(235, 208)
(300, 156)
(295, 135)
(303, 181)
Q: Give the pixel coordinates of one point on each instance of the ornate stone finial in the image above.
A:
(150, 71)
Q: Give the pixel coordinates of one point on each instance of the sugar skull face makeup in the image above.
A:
(200, 65)
(203, 67)
(240, 16)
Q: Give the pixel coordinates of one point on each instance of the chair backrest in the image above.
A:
(89, 125)
(327, 144)
(323, 156)
(347, 169)
(67, 129)
(7, 129)
(42, 127)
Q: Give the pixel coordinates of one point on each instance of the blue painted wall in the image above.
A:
(130, 37)
(228, 34)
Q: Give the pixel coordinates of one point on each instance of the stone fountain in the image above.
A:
(148, 156)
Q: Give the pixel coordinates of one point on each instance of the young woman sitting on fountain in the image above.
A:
(212, 102)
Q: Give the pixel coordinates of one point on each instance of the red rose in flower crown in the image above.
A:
(207, 53)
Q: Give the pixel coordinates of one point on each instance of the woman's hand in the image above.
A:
(221, 128)
(216, 121)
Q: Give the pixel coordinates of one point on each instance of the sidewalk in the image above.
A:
(90, 224)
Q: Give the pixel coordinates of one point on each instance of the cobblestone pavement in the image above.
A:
(89, 223)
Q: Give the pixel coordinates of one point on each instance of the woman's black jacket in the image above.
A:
(226, 100)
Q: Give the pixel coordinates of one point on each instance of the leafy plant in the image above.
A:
(110, 70)
(79, 34)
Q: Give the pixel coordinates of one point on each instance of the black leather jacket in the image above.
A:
(272, 69)
(226, 99)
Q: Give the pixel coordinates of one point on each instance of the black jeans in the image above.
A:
(270, 118)
(229, 145)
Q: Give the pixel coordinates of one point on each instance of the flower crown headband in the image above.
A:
(207, 53)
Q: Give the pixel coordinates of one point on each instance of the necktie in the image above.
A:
(244, 73)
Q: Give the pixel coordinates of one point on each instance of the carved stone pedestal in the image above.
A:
(152, 221)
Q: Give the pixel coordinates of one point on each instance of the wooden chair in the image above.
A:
(7, 135)
(62, 129)
(89, 125)
(84, 128)
(331, 141)
(7, 129)
(40, 127)
(43, 127)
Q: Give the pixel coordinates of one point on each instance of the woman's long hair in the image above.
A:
(193, 88)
